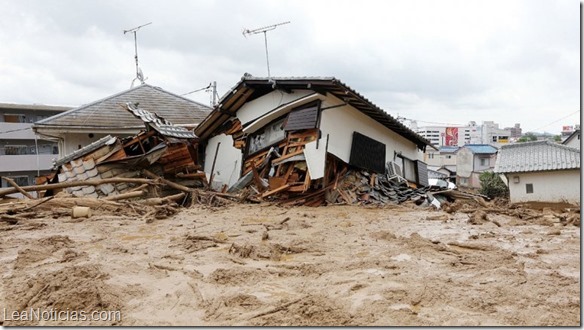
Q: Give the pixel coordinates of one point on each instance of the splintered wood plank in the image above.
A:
(306, 182)
(275, 191)
(292, 154)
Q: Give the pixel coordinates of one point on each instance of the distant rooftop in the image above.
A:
(448, 149)
(36, 107)
(536, 156)
(481, 148)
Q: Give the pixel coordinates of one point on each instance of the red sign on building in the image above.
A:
(451, 136)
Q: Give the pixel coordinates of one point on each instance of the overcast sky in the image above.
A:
(432, 61)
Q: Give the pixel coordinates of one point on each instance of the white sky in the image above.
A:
(433, 61)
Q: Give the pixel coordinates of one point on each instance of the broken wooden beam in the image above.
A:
(163, 200)
(167, 182)
(67, 184)
(131, 194)
(277, 190)
(17, 187)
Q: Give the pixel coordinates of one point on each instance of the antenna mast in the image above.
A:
(139, 74)
(264, 30)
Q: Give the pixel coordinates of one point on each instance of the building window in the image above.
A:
(484, 162)
(494, 139)
(266, 137)
(430, 156)
(448, 156)
(529, 188)
(19, 180)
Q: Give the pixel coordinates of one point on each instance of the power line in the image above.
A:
(555, 121)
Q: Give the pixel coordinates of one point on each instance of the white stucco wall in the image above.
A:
(228, 163)
(340, 123)
(548, 186)
(72, 141)
(260, 106)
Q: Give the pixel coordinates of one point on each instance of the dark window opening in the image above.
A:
(367, 153)
(529, 188)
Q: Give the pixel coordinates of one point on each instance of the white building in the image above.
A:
(23, 155)
(486, 133)
(541, 171)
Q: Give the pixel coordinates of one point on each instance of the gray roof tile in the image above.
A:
(110, 113)
(536, 156)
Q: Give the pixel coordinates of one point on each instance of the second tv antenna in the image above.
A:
(264, 29)
(139, 74)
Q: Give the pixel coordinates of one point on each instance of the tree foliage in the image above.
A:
(492, 185)
(527, 137)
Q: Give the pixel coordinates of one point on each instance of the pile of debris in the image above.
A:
(371, 188)
(288, 183)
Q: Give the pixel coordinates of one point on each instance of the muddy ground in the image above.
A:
(266, 265)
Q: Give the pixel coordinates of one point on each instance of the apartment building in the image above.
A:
(486, 133)
(23, 155)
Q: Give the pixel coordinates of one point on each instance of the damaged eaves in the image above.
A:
(250, 88)
(162, 147)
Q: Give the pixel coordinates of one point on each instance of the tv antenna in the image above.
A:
(139, 74)
(211, 88)
(264, 29)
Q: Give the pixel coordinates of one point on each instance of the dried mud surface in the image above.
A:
(253, 265)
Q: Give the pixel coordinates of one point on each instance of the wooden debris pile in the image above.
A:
(288, 181)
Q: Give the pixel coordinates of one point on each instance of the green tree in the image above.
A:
(492, 185)
(527, 137)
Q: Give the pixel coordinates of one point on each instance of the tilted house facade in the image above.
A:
(305, 122)
(86, 124)
(540, 171)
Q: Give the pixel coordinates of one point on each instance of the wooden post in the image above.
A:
(17, 187)
(213, 166)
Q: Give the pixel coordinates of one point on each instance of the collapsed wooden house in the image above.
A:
(162, 148)
(296, 137)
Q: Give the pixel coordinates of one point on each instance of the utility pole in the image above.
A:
(139, 74)
(264, 30)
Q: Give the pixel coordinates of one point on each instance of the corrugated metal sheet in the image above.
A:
(422, 169)
(160, 124)
(536, 156)
(109, 112)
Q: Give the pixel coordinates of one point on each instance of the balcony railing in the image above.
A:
(15, 163)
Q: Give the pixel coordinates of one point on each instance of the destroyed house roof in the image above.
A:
(536, 156)
(480, 148)
(160, 124)
(106, 140)
(109, 112)
(250, 88)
